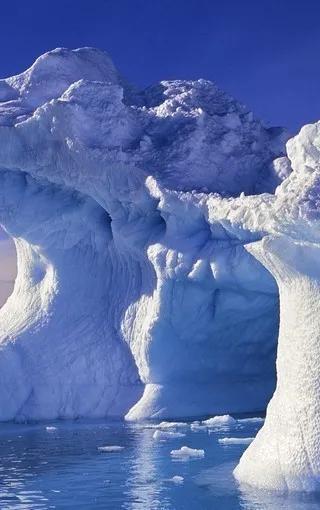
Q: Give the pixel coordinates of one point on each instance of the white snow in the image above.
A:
(235, 440)
(110, 449)
(186, 453)
(162, 435)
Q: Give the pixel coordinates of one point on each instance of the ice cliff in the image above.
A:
(147, 226)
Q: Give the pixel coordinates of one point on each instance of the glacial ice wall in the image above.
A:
(131, 212)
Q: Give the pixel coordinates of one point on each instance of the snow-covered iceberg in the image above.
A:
(131, 212)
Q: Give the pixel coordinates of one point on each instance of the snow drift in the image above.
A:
(131, 212)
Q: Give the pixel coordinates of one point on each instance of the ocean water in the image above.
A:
(61, 467)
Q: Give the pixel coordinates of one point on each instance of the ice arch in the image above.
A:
(129, 279)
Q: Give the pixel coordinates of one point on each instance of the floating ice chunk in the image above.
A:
(176, 479)
(172, 425)
(113, 448)
(185, 453)
(165, 434)
(251, 420)
(197, 427)
(51, 429)
(220, 421)
(236, 440)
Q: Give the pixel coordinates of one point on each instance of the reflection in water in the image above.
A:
(63, 469)
(262, 500)
(144, 474)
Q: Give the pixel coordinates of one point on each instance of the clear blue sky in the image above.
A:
(266, 53)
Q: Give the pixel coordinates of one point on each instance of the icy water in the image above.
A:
(62, 468)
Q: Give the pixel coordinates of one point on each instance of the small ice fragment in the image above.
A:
(171, 425)
(185, 452)
(165, 434)
(251, 420)
(236, 440)
(162, 425)
(176, 479)
(196, 427)
(220, 421)
(113, 448)
(51, 429)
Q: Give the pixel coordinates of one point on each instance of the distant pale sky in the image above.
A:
(264, 52)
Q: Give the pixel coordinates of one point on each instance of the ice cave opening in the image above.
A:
(8, 266)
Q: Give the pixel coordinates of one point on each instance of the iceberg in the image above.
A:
(135, 214)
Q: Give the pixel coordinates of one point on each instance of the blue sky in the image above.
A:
(265, 53)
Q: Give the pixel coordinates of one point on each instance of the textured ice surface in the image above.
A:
(154, 232)
(286, 452)
(130, 220)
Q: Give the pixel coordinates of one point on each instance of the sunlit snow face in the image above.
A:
(8, 266)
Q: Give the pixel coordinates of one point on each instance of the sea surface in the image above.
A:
(60, 466)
